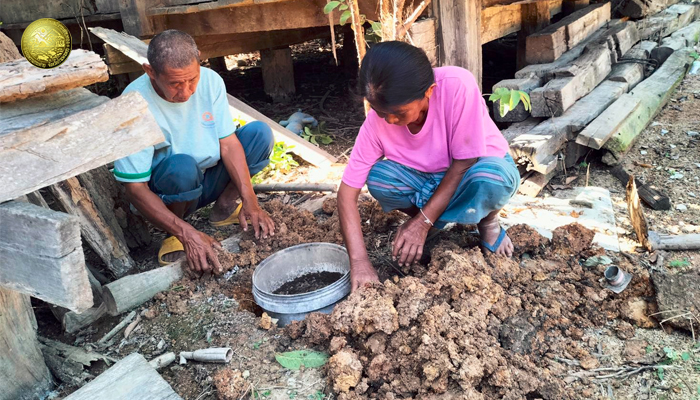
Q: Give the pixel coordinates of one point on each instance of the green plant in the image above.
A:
(256, 345)
(295, 359)
(345, 15)
(649, 349)
(508, 99)
(281, 161)
(258, 395)
(583, 164)
(679, 263)
(316, 135)
(319, 395)
(695, 55)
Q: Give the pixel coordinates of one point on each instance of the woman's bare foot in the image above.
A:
(174, 256)
(490, 230)
(220, 211)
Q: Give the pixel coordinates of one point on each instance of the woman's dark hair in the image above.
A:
(394, 73)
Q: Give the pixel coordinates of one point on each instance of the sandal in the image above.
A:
(231, 220)
(169, 245)
(493, 247)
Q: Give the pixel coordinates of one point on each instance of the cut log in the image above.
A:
(75, 200)
(423, 33)
(43, 256)
(278, 74)
(652, 197)
(130, 378)
(674, 242)
(549, 44)
(20, 79)
(460, 34)
(534, 17)
(23, 373)
(37, 157)
(636, 214)
(135, 19)
(652, 93)
(134, 290)
(539, 146)
(519, 114)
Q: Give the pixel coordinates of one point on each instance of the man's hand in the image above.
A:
(408, 244)
(199, 248)
(362, 272)
(258, 218)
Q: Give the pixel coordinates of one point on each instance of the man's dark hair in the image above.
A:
(394, 73)
(172, 48)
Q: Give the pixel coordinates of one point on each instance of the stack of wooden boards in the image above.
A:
(589, 89)
(51, 130)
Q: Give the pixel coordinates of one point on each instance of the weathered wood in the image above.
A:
(643, 8)
(134, 290)
(37, 157)
(549, 44)
(636, 214)
(569, 6)
(674, 242)
(539, 146)
(43, 256)
(131, 46)
(460, 34)
(68, 363)
(520, 128)
(518, 114)
(136, 49)
(667, 21)
(130, 378)
(652, 93)
(217, 64)
(23, 373)
(534, 183)
(302, 148)
(668, 45)
(423, 33)
(43, 109)
(278, 74)
(630, 68)
(608, 123)
(8, 50)
(535, 17)
(19, 79)
(72, 321)
(652, 197)
(500, 20)
(135, 18)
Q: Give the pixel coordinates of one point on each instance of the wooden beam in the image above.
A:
(303, 148)
(23, 373)
(20, 79)
(135, 18)
(534, 183)
(112, 249)
(534, 17)
(667, 21)
(549, 44)
(43, 256)
(652, 197)
(460, 34)
(570, 6)
(37, 157)
(423, 33)
(132, 377)
(642, 8)
(501, 20)
(278, 74)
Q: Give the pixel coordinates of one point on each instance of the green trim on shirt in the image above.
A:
(124, 175)
(224, 137)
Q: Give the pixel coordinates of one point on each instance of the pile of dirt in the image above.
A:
(473, 327)
(678, 298)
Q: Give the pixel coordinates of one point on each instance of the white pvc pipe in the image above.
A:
(221, 355)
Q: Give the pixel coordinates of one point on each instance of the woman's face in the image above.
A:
(406, 114)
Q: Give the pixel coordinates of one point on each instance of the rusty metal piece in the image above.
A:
(616, 279)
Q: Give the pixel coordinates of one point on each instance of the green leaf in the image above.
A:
(313, 140)
(685, 356)
(330, 6)
(514, 99)
(649, 349)
(376, 27)
(295, 359)
(660, 373)
(343, 7)
(526, 100)
(503, 108)
(325, 139)
(344, 17)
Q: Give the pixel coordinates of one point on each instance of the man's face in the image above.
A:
(175, 85)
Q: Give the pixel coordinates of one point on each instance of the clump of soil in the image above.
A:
(230, 384)
(308, 282)
(678, 298)
(572, 239)
(527, 240)
(473, 326)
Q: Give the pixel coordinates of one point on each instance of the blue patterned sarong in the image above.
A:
(486, 186)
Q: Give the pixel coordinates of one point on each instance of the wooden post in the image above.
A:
(535, 16)
(134, 17)
(218, 64)
(23, 372)
(460, 33)
(569, 6)
(278, 73)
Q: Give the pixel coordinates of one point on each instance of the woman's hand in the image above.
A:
(199, 249)
(362, 272)
(409, 241)
(258, 218)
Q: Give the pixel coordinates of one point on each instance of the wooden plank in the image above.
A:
(112, 249)
(630, 68)
(608, 123)
(653, 93)
(501, 20)
(19, 79)
(534, 183)
(549, 44)
(278, 74)
(460, 34)
(136, 49)
(132, 377)
(667, 21)
(43, 256)
(535, 17)
(539, 146)
(37, 157)
(520, 128)
(303, 148)
(23, 373)
(652, 197)
(40, 110)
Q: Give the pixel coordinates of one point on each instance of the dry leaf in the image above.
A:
(571, 179)
(643, 165)
(575, 214)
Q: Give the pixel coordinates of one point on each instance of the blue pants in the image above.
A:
(178, 178)
(486, 186)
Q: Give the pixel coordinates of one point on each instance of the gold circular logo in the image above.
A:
(46, 43)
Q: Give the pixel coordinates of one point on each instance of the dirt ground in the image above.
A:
(456, 325)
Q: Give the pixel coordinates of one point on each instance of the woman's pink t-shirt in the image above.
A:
(457, 127)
